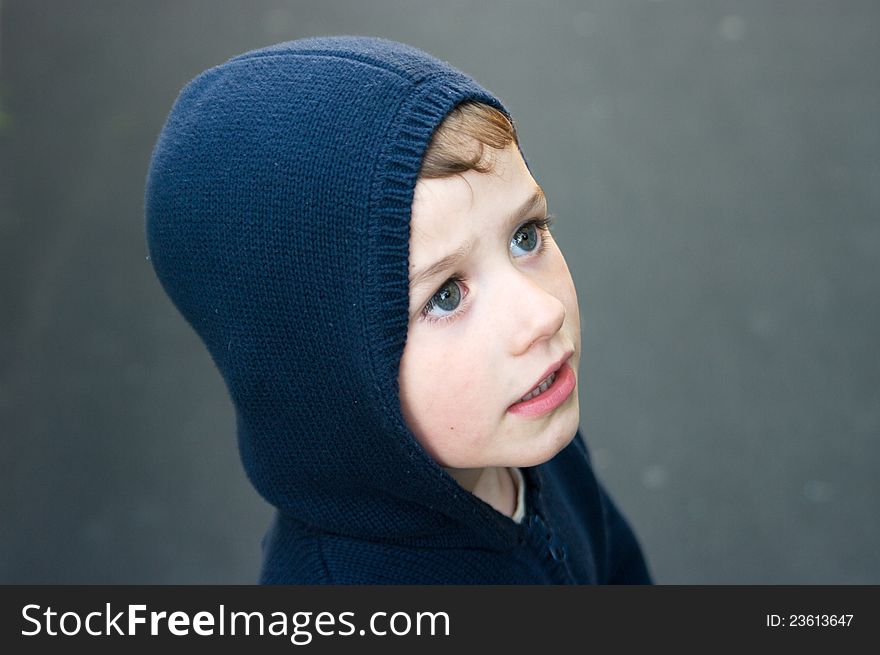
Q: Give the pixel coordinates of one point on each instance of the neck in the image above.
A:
(493, 485)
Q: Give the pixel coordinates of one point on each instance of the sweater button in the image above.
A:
(557, 550)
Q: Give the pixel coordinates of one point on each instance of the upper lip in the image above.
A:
(550, 369)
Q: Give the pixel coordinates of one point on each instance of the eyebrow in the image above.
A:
(449, 261)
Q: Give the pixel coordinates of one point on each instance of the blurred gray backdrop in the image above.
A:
(715, 170)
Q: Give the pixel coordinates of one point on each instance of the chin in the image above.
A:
(568, 428)
(555, 443)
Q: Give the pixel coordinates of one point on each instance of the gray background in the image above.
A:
(715, 170)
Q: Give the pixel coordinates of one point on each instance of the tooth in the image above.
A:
(541, 388)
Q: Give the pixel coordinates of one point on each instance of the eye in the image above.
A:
(530, 236)
(525, 238)
(445, 301)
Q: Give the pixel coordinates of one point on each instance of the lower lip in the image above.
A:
(557, 394)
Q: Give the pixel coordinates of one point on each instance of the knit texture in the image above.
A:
(277, 218)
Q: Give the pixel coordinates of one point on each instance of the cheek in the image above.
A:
(563, 288)
(444, 387)
(572, 309)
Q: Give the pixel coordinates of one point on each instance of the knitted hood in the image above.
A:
(277, 217)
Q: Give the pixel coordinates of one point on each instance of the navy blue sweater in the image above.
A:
(277, 217)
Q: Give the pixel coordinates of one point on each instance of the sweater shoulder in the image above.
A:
(356, 561)
(294, 554)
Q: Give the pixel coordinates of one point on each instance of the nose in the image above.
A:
(538, 315)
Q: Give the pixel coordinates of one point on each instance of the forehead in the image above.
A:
(448, 210)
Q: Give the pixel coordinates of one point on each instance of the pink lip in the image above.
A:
(554, 396)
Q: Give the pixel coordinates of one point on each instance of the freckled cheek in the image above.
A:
(458, 380)
(455, 392)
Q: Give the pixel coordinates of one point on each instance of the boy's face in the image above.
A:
(490, 327)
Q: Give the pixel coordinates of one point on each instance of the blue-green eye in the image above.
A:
(530, 236)
(525, 238)
(445, 301)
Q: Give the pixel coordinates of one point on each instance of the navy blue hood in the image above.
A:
(278, 208)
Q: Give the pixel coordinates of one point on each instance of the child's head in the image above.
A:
(492, 306)
(292, 195)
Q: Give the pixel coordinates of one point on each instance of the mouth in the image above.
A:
(551, 390)
(541, 388)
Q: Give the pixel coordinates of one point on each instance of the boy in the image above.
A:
(349, 225)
